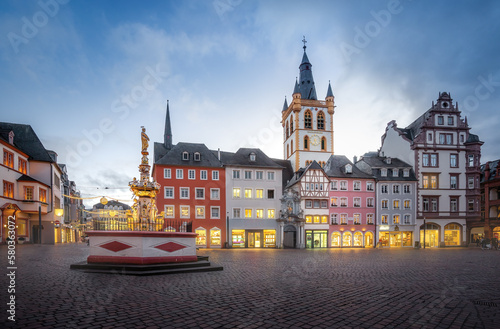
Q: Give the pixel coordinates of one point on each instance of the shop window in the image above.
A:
(452, 234)
(238, 238)
(358, 239)
(335, 239)
(346, 239)
(201, 239)
(269, 239)
(368, 239)
(215, 237)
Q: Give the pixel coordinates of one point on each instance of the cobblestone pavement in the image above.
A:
(349, 288)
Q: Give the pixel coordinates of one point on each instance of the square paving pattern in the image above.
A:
(258, 288)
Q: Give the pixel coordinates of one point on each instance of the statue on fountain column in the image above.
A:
(145, 141)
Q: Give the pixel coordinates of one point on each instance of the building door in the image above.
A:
(35, 236)
(254, 240)
(289, 236)
(316, 239)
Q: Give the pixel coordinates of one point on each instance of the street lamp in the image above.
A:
(59, 212)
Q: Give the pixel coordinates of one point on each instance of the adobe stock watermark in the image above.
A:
(483, 90)
(266, 134)
(364, 36)
(120, 110)
(223, 6)
(31, 27)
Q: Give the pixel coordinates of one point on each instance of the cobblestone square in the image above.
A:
(260, 288)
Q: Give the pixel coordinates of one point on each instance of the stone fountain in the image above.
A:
(146, 248)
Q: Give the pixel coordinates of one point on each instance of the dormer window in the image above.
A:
(406, 172)
(388, 160)
(253, 157)
(383, 172)
(197, 156)
(185, 156)
(348, 169)
(395, 172)
(11, 137)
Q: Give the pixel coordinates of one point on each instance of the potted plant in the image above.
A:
(20, 240)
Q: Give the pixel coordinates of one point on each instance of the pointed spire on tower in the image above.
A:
(285, 106)
(296, 89)
(307, 88)
(329, 92)
(168, 130)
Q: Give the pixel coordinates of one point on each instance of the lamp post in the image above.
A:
(39, 223)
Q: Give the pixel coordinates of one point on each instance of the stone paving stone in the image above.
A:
(362, 288)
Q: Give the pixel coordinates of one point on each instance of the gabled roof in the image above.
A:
(287, 172)
(27, 141)
(26, 178)
(335, 165)
(242, 158)
(299, 173)
(493, 167)
(376, 163)
(174, 156)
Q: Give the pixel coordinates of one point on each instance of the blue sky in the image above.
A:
(86, 75)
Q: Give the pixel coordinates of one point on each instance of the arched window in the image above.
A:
(307, 119)
(288, 151)
(323, 144)
(287, 130)
(291, 126)
(306, 143)
(321, 120)
(291, 147)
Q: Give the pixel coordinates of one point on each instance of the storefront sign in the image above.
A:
(384, 227)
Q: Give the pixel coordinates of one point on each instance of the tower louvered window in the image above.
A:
(321, 121)
(307, 119)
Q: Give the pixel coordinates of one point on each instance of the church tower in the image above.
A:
(307, 122)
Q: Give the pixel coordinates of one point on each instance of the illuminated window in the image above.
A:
(307, 120)
(43, 195)
(369, 219)
(271, 213)
(184, 211)
(356, 218)
(452, 235)
(308, 219)
(346, 239)
(407, 204)
(248, 193)
(28, 192)
(236, 192)
(200, 212)
(395, 204)
(201, 239)
(8, 159)
(321, 120)
(169, 211)
(22, 166)
(215, 239)
(335, 239)
(343, 219)
(8, 189)
(259, 213)
(248, 213)
(385, 204)
(333, 202)
(21, 228)
(259, 193)
(395, 219)
(430, 181)
(384, 219)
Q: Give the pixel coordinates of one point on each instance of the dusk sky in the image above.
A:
(86, 75)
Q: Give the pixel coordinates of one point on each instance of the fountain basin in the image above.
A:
(141, 247)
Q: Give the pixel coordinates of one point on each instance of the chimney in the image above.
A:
(218, 153)
(487, 171)
(354, 159)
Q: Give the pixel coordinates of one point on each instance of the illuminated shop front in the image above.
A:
(201, 238)
(253, 238)
(316, 238)
(215, 237)
(347, 239)
(395, 237)
(336, 239)
(429, 237)
(368, 239)
(452, 235)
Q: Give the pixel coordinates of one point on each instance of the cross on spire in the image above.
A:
(304, 41)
